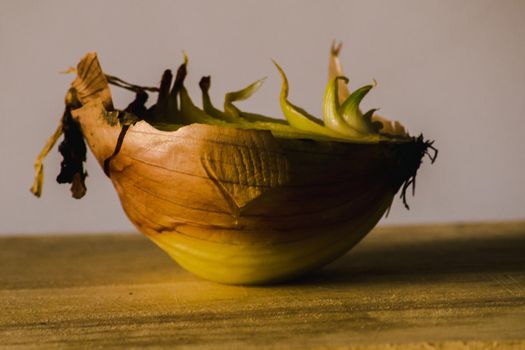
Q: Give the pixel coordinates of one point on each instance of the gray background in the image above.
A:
(453, 70)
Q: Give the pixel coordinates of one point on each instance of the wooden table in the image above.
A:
(417, 287)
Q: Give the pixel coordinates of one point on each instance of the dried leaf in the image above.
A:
(73, 150)
(38, 183)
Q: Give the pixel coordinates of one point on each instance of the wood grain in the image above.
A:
(418, 287)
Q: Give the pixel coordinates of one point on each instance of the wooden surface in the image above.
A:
(426, 287)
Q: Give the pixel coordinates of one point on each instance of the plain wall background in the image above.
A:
(453, 70)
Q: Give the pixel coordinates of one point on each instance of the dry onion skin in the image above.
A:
(232, 196)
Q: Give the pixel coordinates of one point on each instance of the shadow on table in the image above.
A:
(429, 260)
